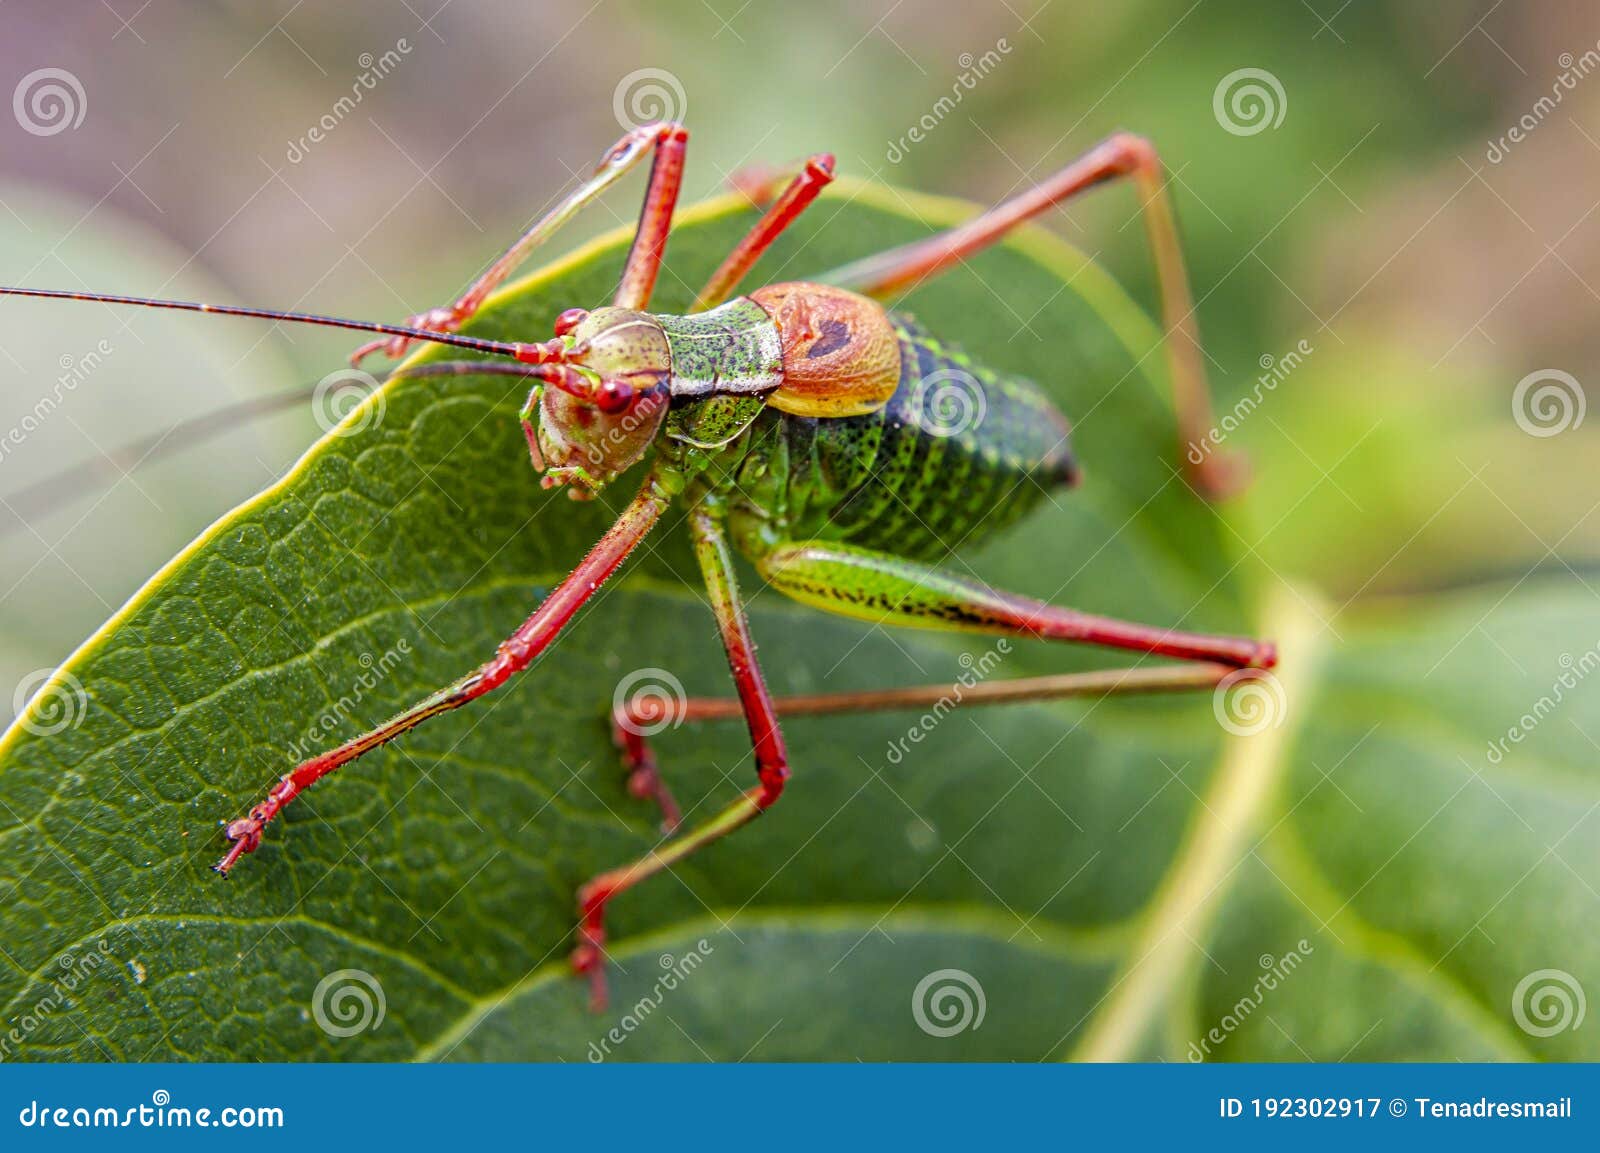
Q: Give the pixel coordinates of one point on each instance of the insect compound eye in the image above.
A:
(613, 397)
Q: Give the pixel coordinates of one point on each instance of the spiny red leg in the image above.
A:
(513, 655)
(655, 220)
(814, 175)
(1119, 156)
(617, 162)
(772, 759)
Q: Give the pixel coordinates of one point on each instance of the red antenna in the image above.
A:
(528, 353)
(540, 360)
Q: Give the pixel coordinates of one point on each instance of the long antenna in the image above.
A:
(475, 344)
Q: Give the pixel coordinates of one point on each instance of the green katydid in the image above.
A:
(831, 441)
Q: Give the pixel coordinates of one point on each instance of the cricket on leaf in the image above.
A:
(789, 421)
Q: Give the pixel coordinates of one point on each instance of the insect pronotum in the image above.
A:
(825, 373)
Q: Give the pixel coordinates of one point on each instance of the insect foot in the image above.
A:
(245, 833)
(589, 957)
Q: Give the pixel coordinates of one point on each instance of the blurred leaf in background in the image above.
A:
(83, 381)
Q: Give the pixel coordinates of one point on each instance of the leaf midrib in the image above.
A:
(1133, 1005)
(1192, 888)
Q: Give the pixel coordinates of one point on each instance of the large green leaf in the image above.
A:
(1059, 855)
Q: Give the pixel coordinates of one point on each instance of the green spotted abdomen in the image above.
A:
(959, 452)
